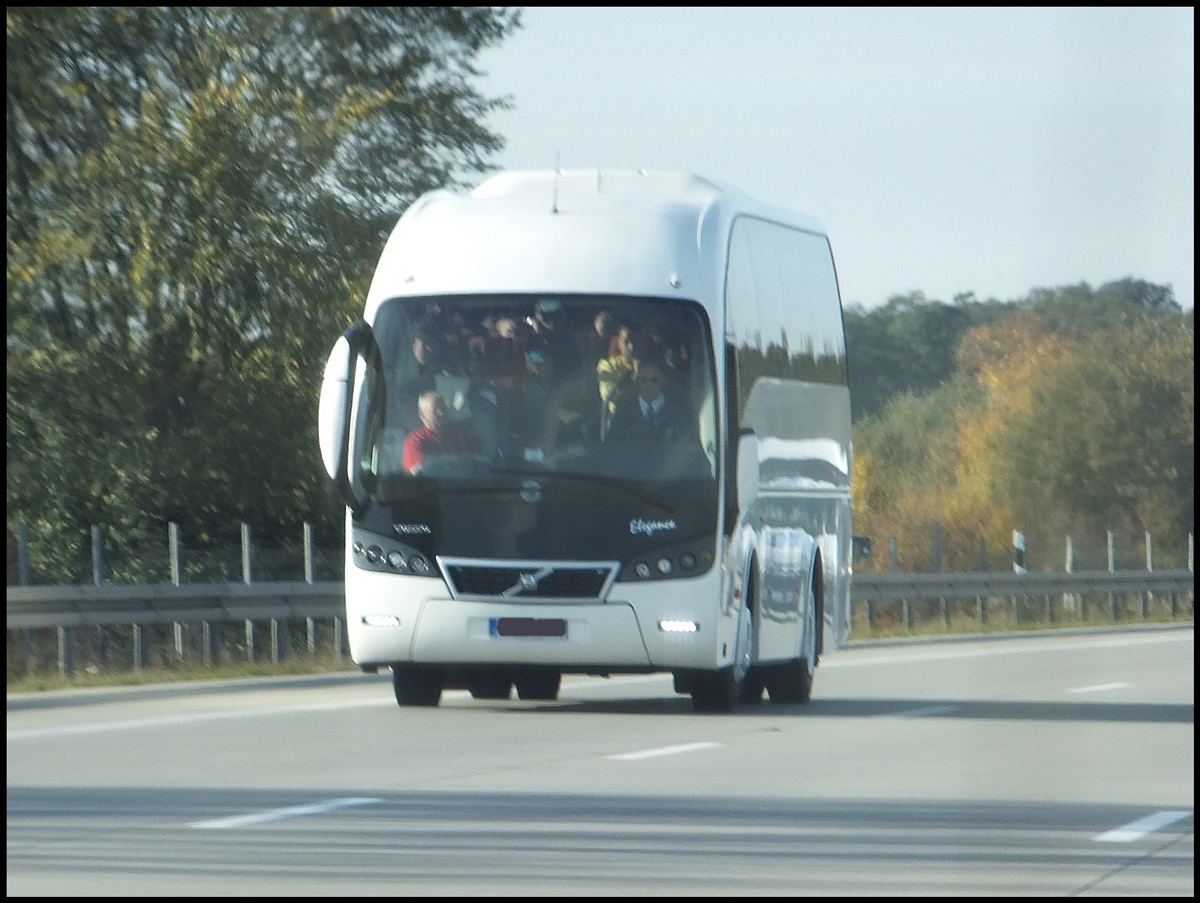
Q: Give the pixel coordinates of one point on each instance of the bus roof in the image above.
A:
(634, 232)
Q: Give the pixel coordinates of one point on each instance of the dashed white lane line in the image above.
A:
(1136, 830)
(254, 818)
(662, 751)
(1098, 688)
(39, 733)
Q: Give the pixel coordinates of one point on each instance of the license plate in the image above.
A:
(527, 627)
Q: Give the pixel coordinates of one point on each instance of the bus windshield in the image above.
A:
(490, 403)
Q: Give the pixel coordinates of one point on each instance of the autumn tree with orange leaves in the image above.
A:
(1046, 426)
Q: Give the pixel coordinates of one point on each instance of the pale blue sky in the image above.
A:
(964, 150)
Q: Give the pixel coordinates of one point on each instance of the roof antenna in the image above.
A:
(557, 173)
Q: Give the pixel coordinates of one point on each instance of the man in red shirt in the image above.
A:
(436, 435)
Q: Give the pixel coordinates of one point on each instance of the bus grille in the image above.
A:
(528, 580)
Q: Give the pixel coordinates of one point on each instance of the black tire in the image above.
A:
(715, 691)
(491, 685)
(417, 685)
(790, 683)
(538, 684)
(753, 686)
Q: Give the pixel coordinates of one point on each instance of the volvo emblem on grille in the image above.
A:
(528, 582)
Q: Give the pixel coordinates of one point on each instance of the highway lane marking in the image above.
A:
(1136, 830)
(851, 657)
(662, 751)
(1098, 688)
(254, 818)
(922, 712)
(39, 733)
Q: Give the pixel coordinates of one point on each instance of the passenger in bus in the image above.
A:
(418, 374)
(437, 434)
(599, 340)
(616, 374)
(547, 336)
(650, 414)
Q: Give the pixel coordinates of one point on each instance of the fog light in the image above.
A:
(396, 559)
(664, 565)
(381, 621)
(419, 564)
(687, 561)
(678, 626)
(642, 569)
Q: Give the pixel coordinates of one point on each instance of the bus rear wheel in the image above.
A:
(792, 682)
(417, 685)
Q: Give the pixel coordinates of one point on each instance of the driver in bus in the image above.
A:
(651, 414)
(437, 434)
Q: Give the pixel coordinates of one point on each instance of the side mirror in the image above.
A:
(860, 546)
(336, 408)
(333, 412)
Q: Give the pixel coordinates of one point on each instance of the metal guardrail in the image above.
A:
(883, 587)
(77, 606)
(31, 607)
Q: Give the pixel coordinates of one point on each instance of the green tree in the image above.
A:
(1078, 310)
(1108, 441)
(905, 468)
(196, 198)
(907, 345)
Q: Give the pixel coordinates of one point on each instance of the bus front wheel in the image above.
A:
(715, 691)
(416, 685)
(721, 691)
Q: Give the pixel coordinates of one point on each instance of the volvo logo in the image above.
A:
(528, 582)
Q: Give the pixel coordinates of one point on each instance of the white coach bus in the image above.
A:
(503, 526)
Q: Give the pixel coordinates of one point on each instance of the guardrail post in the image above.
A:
(937, 567)
(1071, 602)
(139, 648)
(66, 650)
(173, 553)
(246, 575)
(310, 623)
(279, 640)
(980, 601)
(1148, 596)
(1018, 566)
(1112, 566)
(98, 580)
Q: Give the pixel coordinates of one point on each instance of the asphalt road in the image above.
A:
(1050, 765)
